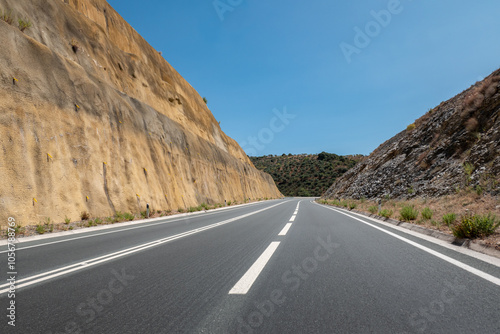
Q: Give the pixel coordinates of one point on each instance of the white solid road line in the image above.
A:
(105, 258)
(246, 282)
(292, 218)
(119, 227)
(448, 259)
(285, 229)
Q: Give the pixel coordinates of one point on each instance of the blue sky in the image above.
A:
(309, 76)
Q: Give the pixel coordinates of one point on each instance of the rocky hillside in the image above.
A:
(92, 118)
(305, 174)
(453, 146)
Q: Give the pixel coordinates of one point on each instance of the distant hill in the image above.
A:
(305, 174)
(454, 146)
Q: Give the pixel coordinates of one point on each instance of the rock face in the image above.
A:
(92, 118)
(453, 146)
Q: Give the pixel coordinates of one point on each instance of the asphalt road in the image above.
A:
(287, 266)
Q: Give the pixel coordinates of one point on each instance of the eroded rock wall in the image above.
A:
(454, 146)
(92, 118)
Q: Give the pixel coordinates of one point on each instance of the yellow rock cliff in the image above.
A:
(92, 118)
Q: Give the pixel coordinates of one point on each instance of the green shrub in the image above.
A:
(475, 226)
(386, 213)
(118, 215)
(352, 206)
(449, 218)
(229, 203)
(373, 209)
(98, 221)
(181, 210)
(410, 127)
(67, 220)
(128, 216)
(24, 24)
(40, 229)
(427, 213)
(7, 16)
(408, 213)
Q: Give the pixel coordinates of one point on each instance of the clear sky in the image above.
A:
(339, 76)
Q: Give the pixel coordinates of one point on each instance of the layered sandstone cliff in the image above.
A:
(92, 118)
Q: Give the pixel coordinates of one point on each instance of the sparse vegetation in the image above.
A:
(373, 209)
(67, 220)
(468, 169)
(411, 127)
(386, 213)
(24, 24)
(6, 15)
(352, 205)
(427, 213)
(205, 100)
(449, 218)
(40, 229)
(408, 213)
(475, 226)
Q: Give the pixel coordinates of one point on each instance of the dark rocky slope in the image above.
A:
(455, 145)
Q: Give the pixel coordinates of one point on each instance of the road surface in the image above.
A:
(284, 266)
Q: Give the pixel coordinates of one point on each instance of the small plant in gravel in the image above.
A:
(449, 219)
(70, 228)
(229, 203)
(475, 226)
(427, 213)
(435, 223)
(386, 213)
(373, 209)
(408, 213)
(40, 229)
(98, 221)
(180, 210)
(128, 216)
(67, 220)
(352, 206)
